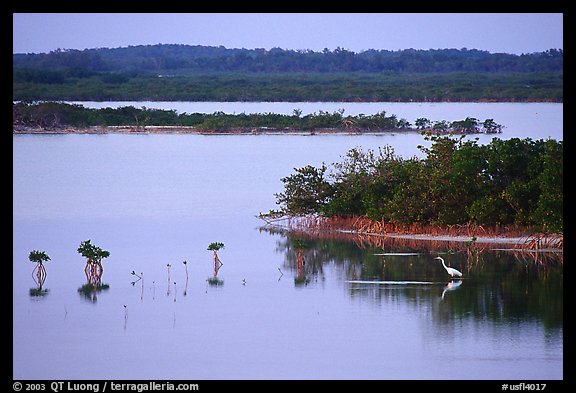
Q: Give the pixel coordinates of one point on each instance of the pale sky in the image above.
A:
(515, 33)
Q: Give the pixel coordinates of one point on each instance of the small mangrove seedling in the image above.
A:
(93, 270)
(168, 291)
(39, 272)
(139, 277)
(94, 256)
(186, 285)
(215, 247)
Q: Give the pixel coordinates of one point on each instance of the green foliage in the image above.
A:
(215, 281)
(92, 252)
(53, 115)
(215, 246)
(313, 86)
(169, 60)
(305, 191)
(38, 256)
(506, 182)
(200, 73)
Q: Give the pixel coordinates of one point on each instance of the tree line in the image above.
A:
(54, 115)
(186, 59)
(506, 182)
(201, 73)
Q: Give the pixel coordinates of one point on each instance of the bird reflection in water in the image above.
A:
(451, 286)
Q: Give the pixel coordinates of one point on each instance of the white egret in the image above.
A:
(451, 271)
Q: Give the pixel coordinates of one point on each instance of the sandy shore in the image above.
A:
(516, 243)
(479, 239)
(20, 129)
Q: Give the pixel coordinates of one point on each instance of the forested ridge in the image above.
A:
(202, 73)
(184, 59)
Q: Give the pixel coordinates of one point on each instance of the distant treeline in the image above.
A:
(53, 115)
(185, 59)
(506, 182)
(200, 73)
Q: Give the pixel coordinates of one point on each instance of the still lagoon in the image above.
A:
(356, 311)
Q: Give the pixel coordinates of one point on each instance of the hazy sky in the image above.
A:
(509, 32)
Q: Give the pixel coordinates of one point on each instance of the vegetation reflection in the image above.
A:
(498, 285)
(300, 246)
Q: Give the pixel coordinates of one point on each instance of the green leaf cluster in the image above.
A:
(92, 252)
(215, 246)
(38, 256)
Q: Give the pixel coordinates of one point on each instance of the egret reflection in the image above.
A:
(451, 286)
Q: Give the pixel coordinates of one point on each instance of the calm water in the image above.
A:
(153, 200)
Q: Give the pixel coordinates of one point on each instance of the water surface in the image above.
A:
(533, 120)
(353, 311)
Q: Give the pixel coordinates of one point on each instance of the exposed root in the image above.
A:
(368, 233)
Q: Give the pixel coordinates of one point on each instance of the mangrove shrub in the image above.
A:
(505, 182)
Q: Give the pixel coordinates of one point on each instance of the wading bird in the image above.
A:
(451, 271)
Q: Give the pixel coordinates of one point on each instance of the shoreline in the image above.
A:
(20, 129)
(511, 240)
(449, 238)
(524, 245)
(519, 242)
